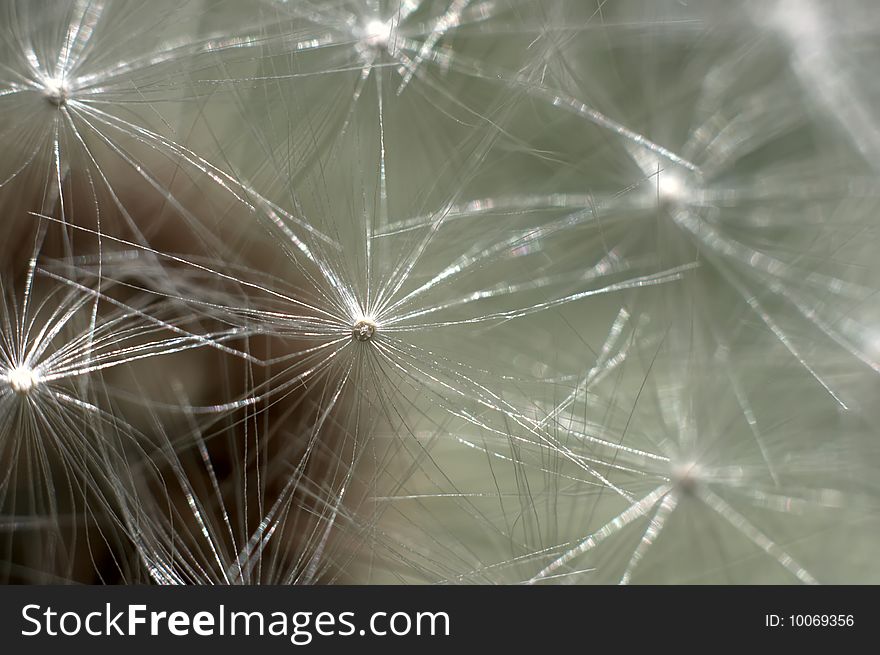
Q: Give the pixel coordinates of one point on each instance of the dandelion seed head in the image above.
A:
(22, 379)
(364, 329)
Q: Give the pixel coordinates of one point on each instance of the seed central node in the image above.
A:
(56, 92)
(686, 476)
(377, 33)
(22, 379)
(363, 330)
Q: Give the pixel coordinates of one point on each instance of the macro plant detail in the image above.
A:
(438, 291)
